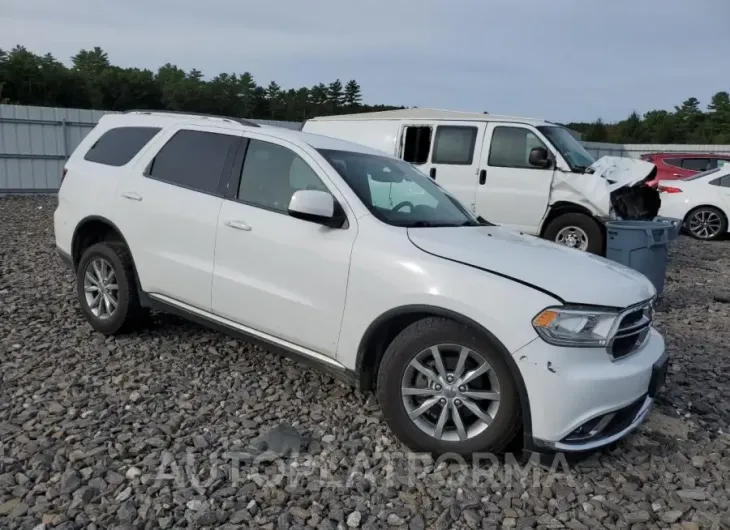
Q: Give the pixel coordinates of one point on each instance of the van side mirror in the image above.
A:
(539, 158)
(317, 207)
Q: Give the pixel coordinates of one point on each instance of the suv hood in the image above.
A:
(570, 275)
(614, 185)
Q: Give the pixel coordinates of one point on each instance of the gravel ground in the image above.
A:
(177, 426)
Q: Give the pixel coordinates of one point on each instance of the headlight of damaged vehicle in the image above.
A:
(575, 327)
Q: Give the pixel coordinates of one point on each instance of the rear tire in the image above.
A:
(107, 290)
(706, 223)
(576, 230)
(403, 390)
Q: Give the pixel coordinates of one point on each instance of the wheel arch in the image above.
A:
(89, 230)
(384, 329)
(565, 207)
(94, 229)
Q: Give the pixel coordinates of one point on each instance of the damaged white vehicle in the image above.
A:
(524, 174)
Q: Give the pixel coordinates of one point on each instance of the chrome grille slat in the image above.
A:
(632, 330)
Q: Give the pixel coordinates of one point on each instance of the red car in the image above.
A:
(671, 166)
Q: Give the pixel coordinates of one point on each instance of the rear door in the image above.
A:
(511, 191)
(168, 210)
(448, 152)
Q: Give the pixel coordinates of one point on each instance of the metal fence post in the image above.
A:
(64, 128)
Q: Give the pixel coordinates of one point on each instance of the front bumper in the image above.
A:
(581, 399)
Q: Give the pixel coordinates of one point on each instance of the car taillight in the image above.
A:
(668, 189)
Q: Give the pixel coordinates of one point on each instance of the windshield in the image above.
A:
(571, 149)
(397, 193)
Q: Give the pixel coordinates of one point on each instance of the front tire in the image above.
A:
(576, 230)
(106, 288)
(706, 223)
(443, 388)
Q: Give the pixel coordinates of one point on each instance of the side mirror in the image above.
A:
(317, 207)
(539, 158)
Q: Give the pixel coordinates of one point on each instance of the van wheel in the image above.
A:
(442, 388)
(106, 288)
(576, 230)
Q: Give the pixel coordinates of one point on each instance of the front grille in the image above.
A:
(634, 326)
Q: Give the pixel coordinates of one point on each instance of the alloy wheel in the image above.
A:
(101, 289)
(450, 392)
(705, 224)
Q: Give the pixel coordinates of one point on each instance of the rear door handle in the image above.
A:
(238, 225)
(482, 176)
(433, 173)
(677, 175)
(132, 196)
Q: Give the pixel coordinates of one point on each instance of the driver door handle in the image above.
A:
(432, 173)
(238, 225)
(482, 176)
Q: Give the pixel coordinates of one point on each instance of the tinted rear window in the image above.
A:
(193, 159)
(118, 146)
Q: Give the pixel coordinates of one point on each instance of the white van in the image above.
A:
(525, 174)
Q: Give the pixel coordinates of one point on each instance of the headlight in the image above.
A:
(575, 327)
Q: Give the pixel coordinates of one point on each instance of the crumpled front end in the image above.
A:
(614, 186)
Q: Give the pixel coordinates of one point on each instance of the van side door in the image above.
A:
(448, 152)
(512, 192)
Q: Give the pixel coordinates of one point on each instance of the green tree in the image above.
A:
(595, 132)
(353, 95)
(718, 119)
(334, 97)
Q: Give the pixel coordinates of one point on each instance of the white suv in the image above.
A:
(468, 333)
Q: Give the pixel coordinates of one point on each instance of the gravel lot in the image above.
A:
(158, 429)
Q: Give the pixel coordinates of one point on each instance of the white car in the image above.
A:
(468, 333)
(701, 201)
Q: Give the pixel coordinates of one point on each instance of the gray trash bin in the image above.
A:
(641, 245)
(676, 226)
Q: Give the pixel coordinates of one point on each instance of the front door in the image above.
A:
(512, 192)
(448, 153)
(276, 274)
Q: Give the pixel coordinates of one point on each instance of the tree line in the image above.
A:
(687, 124)
(93, 82)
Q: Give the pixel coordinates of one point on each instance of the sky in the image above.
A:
(562, 60)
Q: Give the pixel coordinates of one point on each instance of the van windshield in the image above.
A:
(571, 149)
(397, 193)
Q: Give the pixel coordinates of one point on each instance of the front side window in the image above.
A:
(511, 146)
(272, 173)
(454, 145)
(193, 160)
(569, 148)
(116, 147)
(397, 193)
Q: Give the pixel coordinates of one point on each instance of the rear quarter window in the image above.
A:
(116, 147)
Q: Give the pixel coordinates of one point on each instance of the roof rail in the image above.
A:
(247, 123)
